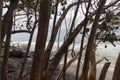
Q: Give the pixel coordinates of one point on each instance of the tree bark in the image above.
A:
(84, 75)
(6, 29)
(4, 75)
(82, 40)
(1, 3)
(92, 74)
(38, 59)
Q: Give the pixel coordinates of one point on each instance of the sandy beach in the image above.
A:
(71, 71)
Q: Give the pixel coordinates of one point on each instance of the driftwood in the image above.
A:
(16, 54)
(116, 74)
(104, 58)
(104, 71)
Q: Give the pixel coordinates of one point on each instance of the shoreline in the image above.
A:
(71, 71)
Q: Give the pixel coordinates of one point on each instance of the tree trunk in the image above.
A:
(84, 75)
(7, 17)
(1, 3)
(20, 76)
(55, 61)
(55, 32)
(7, 28)
(4, 75)
(82, 40)
(38, 59)
(92, 75)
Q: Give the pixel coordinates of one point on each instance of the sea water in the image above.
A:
(106, 50)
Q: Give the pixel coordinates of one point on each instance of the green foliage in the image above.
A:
(29, 1)
(63, 8)
(104, 26)
(87, 30)
(110, 37)
(25, 4)
(107, 27)
(109, 17)
(108, 32)
(118, 14)
(54, 3)
(91, 20)
(64, 2)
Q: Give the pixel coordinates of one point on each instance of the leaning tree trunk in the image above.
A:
(55, 31)
(38, 59)
(27, 52)
(55, 61)
(82, 40)
(20, 76)
(84, 75)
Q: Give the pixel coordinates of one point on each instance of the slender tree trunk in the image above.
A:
(1, 3)
(75, 15)
(27, 52)
(7, 17)
(52, 39)
(64, 66)
(7, 28)
(92, 75)
(38, 59)
(4, 75)
(29, 44)
(84, 75)
(82, 41)
(55, 61)
(55, 31)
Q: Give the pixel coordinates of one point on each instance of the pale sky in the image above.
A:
(80, 17)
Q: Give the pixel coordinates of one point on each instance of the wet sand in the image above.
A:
(71, 71)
